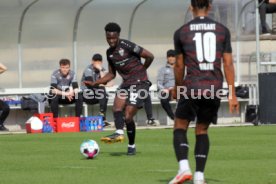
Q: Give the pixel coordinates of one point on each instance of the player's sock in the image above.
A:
(180, 142)
(184, 165)
(120, 131)
(201, 151)
(131, 132)
(199, 176)
(131, 146)
(119, 121)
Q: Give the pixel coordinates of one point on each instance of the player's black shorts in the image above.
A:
(136, 94)
(206, 110)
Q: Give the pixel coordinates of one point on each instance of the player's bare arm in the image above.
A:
(179, 69)
(272, 1)
(230, 78)
(148, 56)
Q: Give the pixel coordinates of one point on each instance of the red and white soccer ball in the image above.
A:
(89, 149)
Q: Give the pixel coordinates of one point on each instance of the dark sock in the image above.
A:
(131, 132)
(201, 151)
(180, 143)
(119, 120)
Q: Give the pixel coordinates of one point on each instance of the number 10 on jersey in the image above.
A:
(205, 49)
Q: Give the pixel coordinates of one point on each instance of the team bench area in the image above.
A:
(18, 117)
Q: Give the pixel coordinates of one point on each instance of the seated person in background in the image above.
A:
(64, 88)
(266, 6)
(95, 94)
(165, 83)
(4, 108)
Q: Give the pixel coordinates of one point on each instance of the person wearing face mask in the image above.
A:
(165, 83)
(95, 94)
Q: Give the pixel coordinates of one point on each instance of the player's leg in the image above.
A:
(184, 114)
(103, 105)
(130, 112)
(201, 151)
(78, 104)
(148, 109)
(4, 114)
(54, 105)
(165, 103)
(118, 108)
(207, 114)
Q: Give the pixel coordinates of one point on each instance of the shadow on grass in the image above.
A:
(167, 181)
(214, 180)
(118, 154)
(209, 180)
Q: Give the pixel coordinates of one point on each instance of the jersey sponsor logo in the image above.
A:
(122, 63)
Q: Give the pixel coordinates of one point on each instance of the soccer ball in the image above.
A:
(89, 149)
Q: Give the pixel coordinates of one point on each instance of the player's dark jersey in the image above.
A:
(202, 42)
(125, 59)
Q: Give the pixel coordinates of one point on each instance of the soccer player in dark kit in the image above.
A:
(124, 57)
(200, 47)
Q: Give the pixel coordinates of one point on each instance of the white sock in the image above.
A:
(120, 131)
(131, 146)
(184, 165)
(199, 176)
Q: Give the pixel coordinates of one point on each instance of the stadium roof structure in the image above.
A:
(36, 34)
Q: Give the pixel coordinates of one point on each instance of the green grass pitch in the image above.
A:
(238, 155)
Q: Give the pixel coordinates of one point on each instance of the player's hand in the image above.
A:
(165, 90)
(98, 66)
(233, 104)
(89, 83)
(69, 96)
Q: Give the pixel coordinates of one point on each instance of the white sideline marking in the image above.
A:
(75, 167)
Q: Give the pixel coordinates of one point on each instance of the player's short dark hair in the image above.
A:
(64, 62)
(97, 57)
(112, 27)
(170, 53)
(200, 4)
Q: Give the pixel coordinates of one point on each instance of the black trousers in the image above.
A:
(148, 107)
(165, 102)
(266, 8)
(5, 110)
(58, 99)
(96, 95)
